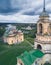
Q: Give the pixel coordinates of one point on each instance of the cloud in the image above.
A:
(19, 18)
(6, 6)
(22, 10)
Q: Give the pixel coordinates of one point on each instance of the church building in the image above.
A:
(13, 36)
(30, 58)
(43, 36)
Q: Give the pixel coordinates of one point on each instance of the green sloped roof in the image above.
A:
(37, 53)
(29, 57)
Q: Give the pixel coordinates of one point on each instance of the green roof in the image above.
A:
(29, 57)
(37, 53)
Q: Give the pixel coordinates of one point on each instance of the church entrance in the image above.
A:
(39, 47)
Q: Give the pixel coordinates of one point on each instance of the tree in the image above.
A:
(2, 30)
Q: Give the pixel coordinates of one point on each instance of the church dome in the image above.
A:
(44, 13)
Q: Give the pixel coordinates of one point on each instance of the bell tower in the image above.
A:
(43, 36)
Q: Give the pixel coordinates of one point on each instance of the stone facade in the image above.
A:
(14, 39)
(45, 27)
(43, 37)
(13, 36)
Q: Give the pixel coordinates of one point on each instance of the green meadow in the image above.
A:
(9, 53)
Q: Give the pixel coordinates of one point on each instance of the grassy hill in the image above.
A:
(8, 53)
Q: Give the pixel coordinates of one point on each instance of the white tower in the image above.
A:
(43, 36)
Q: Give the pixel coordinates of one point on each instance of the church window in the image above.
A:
(50, 28)
(36, 63)
(12, 41)
(40, 28)
(47, 63)
(50, 25)
(20, 63)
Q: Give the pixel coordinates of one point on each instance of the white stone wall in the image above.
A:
(45, 38)
(38, 61)
(46, 58)
(11, 40)
(35, 45)
(46, 48)
(14, 39)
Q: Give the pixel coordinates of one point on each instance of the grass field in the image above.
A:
(8, 53)
(31, 40)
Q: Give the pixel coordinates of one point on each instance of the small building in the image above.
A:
(30, 58)
(28, 28)
(13, 36)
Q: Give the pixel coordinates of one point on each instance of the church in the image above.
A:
(42, 43)
(13, 36)
(43, 36)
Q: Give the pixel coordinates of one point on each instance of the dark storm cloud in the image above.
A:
(22, 10)
(6, 7)
(15, 6)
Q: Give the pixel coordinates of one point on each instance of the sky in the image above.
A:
(22, 11)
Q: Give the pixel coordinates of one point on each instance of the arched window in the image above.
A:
(47, 63)
(50, 28)
(20, 63)
(36, 63)
(40, 28)
(12, 41)
(50, 25)
(39, 47)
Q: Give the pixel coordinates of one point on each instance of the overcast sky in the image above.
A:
(22, 11)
